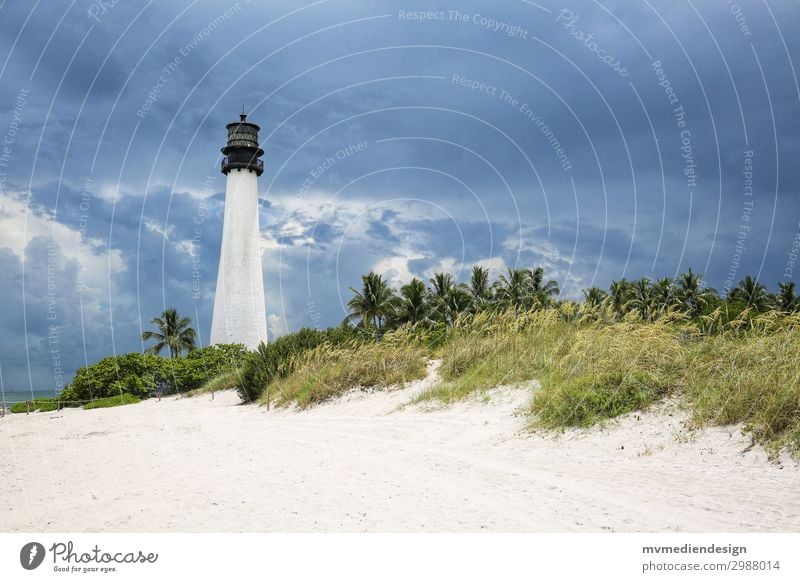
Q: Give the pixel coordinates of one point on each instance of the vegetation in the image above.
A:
(120, 400)
(143, 374)
(729, 359)
(277, 360)
(377, 308)
(174, 333)
(327, 371)
(608, 370)
(134, 373)
(749, 373)
(495, 348)
(593, 366)
(39, 404)
(373, 304)
(202, 365)
(225, 381)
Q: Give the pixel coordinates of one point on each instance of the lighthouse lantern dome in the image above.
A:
(242, 150)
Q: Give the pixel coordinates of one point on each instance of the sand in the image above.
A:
(366, 462)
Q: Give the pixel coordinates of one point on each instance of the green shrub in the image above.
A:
(134, 373)
(141, 374)
(110, 401)
(277, 360)
(585, 400)
(202, 365)
(39, 404)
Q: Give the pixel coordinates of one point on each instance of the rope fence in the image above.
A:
(30, 405)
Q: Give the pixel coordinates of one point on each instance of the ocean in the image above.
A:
(23, 395)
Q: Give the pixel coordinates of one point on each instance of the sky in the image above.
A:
(596, 139)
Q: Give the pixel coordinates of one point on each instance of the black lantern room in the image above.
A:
(242, 151)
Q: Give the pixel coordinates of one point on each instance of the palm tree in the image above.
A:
(413, 306)
(594, 296)
(540, 291)
(441, 283)
(512, 290)
(372, 304)
(787, 297)
(753, 293)
(619, 292)
(642, 298)
(456, 301)
(693, 296)
(174, 332)
(479, 286)
(664, 294)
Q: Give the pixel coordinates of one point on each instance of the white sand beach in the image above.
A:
(361, 464)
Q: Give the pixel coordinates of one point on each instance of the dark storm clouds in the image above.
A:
(111, 194)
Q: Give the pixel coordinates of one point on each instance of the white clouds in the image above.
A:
(446, 265)
(19, 224)
(293, 227)
(496, 265)
(276, 326)
(528, 240)
(187, 247)
(403, 234)
(538, 251)
(396, 269)
(159, 228)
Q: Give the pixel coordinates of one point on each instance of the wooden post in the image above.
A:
(27, 407)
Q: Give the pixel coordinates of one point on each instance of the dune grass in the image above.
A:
(592, 398)
(225, 381)
(591, 365)
(608, 370)
(325, 372)
(494, 349)
(752, 377)
(111, 401)
(592, 368)
(747, 373)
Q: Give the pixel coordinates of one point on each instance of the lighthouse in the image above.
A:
(239, 310)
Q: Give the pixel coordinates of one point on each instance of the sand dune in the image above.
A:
(367, 463)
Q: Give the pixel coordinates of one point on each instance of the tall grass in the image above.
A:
(593, 367)
(498, 348)
(328, 371)
(610, 370)
(750, 374)
(226, 381)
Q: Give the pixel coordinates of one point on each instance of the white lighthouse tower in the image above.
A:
(239, 310)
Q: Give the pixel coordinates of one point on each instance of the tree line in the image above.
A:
(379, 307)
